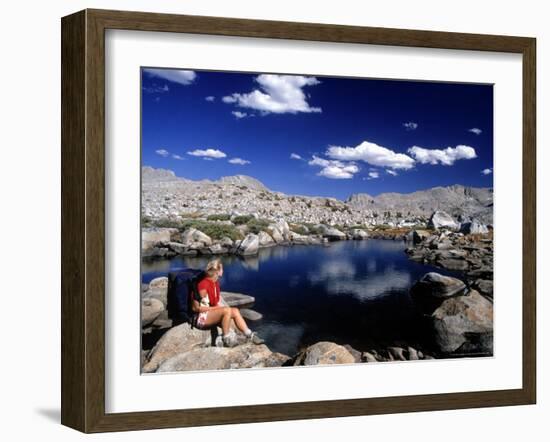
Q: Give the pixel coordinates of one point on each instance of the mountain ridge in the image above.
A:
(151, 174)
(165, 195)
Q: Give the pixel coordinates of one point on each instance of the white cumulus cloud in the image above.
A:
(475, 130)
(373, 154)
(239, 161)
(239, 114)
(487, 171)
(339, 173)
(162, 152)
(447, 156)
(174, 75)
(410, 125)
(318, 161)
(210, 98)
(177, 157)
(334, 169)
(277, 94)
(373, 175)
(207, 153)
(391, 172)
(295, 156)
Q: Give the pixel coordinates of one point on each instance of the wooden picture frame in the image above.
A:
(83, 220)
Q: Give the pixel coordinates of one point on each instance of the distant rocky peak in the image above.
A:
(364, 197)
(149, 173)
(243, 180)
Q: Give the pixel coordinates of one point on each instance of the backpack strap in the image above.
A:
(194, 285)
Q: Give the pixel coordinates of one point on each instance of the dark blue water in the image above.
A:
(350, 292)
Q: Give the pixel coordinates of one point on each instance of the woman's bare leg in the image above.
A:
(219, 316)
(238, 319)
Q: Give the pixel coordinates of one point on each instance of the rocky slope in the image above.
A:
(166, 196)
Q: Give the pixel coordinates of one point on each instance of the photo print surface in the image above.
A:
(299, 220)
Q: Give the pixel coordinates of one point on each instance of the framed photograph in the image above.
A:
(267, 221)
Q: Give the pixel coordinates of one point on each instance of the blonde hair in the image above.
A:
(213, 268)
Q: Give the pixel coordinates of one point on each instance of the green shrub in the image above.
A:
(213, 230)
(165, 222)
(299, 229)
(257, 225)
(313, 229)
(218, 231)
(220, 217)
(242, 219)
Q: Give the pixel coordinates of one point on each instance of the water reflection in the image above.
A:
(340, 277)
(375, 286)
(332, 270)
(274, 253)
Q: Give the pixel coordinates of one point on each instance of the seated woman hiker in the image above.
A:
(209, 313)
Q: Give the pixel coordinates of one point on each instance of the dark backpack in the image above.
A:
(182, 290)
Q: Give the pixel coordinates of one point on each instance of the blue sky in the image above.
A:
(313, 135)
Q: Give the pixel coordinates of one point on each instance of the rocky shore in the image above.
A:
(168, 242)
(470, 254)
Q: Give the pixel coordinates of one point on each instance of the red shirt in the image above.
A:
(212, 288)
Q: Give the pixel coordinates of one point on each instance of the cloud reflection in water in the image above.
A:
(339, 278)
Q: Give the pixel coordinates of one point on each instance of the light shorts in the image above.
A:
(200, 319)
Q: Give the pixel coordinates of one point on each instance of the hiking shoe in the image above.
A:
(255, 338)
(229, 341)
